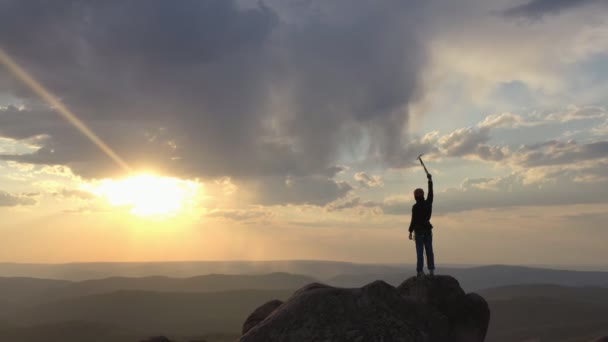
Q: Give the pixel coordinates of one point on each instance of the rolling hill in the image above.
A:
(546, 313)
(526, 303)
(16, 288)
(182, 269)
(205, 283)
(477, 278)
(154, 312)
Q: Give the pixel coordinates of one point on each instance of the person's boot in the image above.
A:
(420, 274)
(432, 272)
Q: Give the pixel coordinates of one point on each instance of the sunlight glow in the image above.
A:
(149, 195)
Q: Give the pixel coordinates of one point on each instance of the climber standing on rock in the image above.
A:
(421, 226)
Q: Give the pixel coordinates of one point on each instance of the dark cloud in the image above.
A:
(314, 190)
(536, 9)
(8, 200)
(207, 88)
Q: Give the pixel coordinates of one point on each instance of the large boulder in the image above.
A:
(468, 314)
(260, 314)
(377, 312)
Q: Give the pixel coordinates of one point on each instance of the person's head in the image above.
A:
(419, 194)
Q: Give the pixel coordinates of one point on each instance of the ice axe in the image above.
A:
(421, 162)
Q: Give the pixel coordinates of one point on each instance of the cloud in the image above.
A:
(91, 208)
(74, 193)
(536, 9)
(9, 200)
(312, 190)
(474, 142)
(516, 190)
(469, 67)
(241, 215)
(463, 141)
(578, 113)
(559, 153)
(601, 129)
(393, 205)
(471, 142)
(368, 181)
(505, 120)
(397, 205)
(353, 203)
(213, 89)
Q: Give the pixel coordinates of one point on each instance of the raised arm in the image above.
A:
(429, 197)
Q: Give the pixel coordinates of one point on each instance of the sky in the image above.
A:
(289, 129)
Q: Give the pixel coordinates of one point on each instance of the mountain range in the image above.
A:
(526, 303)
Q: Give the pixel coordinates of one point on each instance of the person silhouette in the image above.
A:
(421, 226)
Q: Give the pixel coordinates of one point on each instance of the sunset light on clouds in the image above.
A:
(275, 132)
(147, 194)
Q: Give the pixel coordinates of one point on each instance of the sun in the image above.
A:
(148, 195)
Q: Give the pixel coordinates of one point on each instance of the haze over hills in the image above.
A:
(476, 278)
(205, 283)
(155, 312)
(68, 331)
(79, 331)
(526, 303)
(337, 273)
(546, 313)
(83, 271)
(17, 288)
(590, 294)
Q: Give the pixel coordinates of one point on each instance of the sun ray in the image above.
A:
(47, 96)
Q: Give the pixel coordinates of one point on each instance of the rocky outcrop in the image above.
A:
(467, 314)
(260, 314)
(427, 309)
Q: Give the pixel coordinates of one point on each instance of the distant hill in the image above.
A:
(79, 331)
(127, 307)
(546, 319)
(84, 271)
(206, 283)
(539, 312)
(154, 312)
(75, 331)
(17, 288)
(494, 276)
(591, 294)
(477, 278)
(7, 307)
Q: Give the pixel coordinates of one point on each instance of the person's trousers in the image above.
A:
(424, 241)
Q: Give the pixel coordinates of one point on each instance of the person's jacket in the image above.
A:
(421, 213)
